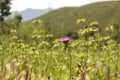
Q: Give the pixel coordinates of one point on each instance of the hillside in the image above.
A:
(63, 21)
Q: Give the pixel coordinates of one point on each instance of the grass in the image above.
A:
(31, 52)
(94, 57)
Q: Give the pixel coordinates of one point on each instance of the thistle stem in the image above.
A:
(70, 63)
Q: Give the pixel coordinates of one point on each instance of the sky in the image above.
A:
(19, 5)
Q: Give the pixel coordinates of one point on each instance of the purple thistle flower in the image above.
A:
(48, 77)
(93, 40)
(79, 65)
(33, 48)
(65, 39)
(106, 43)
(118, 75)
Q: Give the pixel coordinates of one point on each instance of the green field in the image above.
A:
(30, 51)
(40, 57)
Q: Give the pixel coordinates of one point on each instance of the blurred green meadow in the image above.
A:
(52, 48)
(27, 53)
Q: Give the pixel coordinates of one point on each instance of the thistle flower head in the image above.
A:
(65, 39)
(33, 48)
(92, 40)
(79, 65)
(118, 75)
(48, 77)
(106, 43)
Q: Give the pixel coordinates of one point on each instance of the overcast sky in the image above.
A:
(42, 4)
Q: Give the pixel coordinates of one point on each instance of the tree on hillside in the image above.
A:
(4, 9)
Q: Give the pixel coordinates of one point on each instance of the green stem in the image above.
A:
(70, 63)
